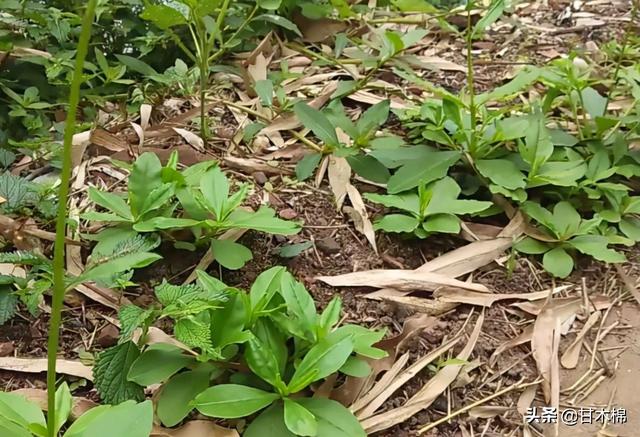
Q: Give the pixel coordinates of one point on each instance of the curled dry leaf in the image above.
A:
(425, 397)
(145, 115)
(432, 307)
(447, 294)
(400, 279)
(596, 303)
(569, 359)
(39, 397)
(195, 428)
(37, 365)
(487, 411)
(385, 389)
(339, 178)
(360, 217)
(526, 398)
(544, 347)
(191, 138)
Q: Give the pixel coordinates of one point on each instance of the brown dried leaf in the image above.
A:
(523, 338)
(360, 217)
(191, 138)
(400, 279)
(37, 365)
(455, 295)
(105, 139)
(369, 404)
(425, 397)
(432, 307)
(339, 176)
(569, 359)
(544, 347)
(526, 398)
(318, 30)
(487, 411)
(145, 115)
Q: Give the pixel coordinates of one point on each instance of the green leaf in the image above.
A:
(230, 254)
(307, 165)
(262, 361)
(18, 410)
(594, 103)
(444, 199)
(415, 6)
(110, 201)
(163, 16)
(409, 201)
(127, 419)
(369, 168)
(161, 223)
(293, 250)
(334, 420)
(110, 374)
(264, 90)
(491, 16)
(373, 118)
(537, 146)
(630, 226)
(271, 5)
(565, 220)
(145, 176)
(596, 246)
(397, 223)
(319, 124)
(193, 333)
(232, 401)
(558, 262)
(157, 198)
(538, 213)
(356, 367)
(563, 174)
(8, 304)
(531, 246)
(363, 340)
(174, 402)
(330, 316)
(228, 323)
(270, 423)
(64, 402)
(131, 318)
(136, 65)
(120, 264)
(298, 300)
(298, 419)
(265, 287)
(452, 111)
(414, 173)
(262, 220)
(323, 359)
(442, 223)
(279, 21)
(157, 364)
(502, 172)
(215, 190)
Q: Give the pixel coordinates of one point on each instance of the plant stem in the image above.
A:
(63, 194)
(223, 48)
(471, 87)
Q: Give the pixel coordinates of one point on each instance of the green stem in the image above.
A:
(223, 48)
(623, 49)
(471, 87)
(220, 20)
(59, 247)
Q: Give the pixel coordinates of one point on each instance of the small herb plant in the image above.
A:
(565, 231)
(433, 209)
(163, 199)
(241, 353)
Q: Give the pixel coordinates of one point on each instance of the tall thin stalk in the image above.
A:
(63, 194)
(471, 87)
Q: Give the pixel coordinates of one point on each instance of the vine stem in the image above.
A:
(63, 195)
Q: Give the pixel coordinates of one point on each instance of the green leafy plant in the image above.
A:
(565, 231)
(434, 209)
(282, 344)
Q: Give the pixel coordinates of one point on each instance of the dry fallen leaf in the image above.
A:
(569, 359)
(360, 217)
(545, 349)
(487, 411)
(455, 295)
(339, 175)
(191, 138)
(145, 115)
(400, 279)
(37, 365)
(428, 393)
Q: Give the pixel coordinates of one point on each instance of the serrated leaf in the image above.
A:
(110, 374)
(193, 333)
(131, 318)
(8, 303)
(17, 192)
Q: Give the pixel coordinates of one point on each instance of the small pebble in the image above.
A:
(328, 245)
(288, 214)
(260, 178)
